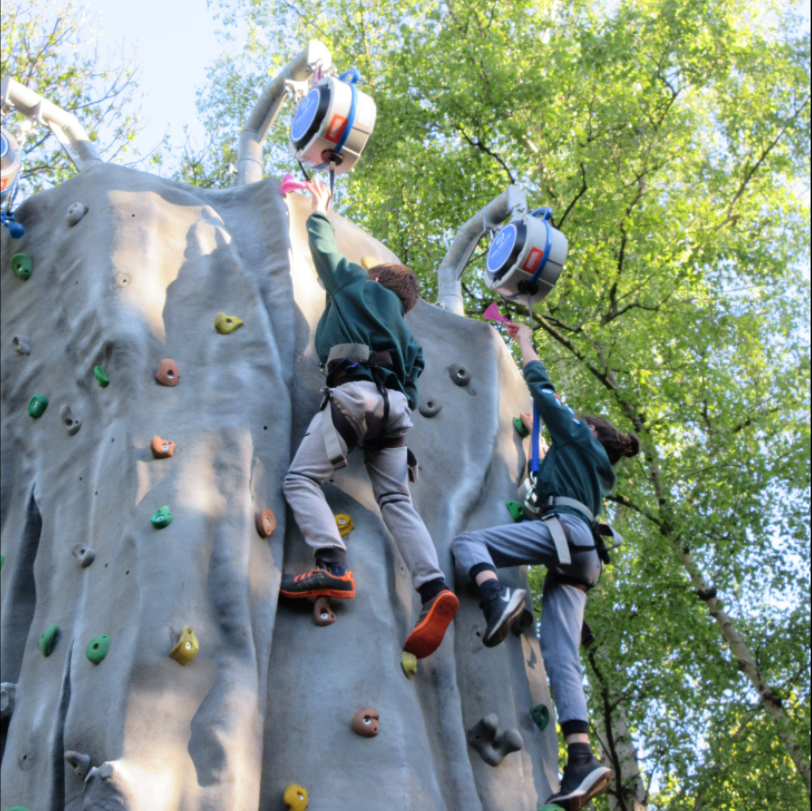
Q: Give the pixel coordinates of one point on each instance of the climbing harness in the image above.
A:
(10, 164)
(332, 124)
(526, 257)
(342, 359)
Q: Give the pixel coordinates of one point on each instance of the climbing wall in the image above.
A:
(158, 373)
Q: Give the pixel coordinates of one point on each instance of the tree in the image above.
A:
(51, 46)
(670, 137)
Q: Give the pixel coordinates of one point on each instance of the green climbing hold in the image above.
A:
(47, 642)
(22, 265)
(37, 405)
(550, 808)
(2, 560)
(17, 808)
(101, 376)
(521, 428)
(540, 716)
(161, 518)
(97, 648)
(516, 510)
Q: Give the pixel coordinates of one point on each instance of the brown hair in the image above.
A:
(400, 280)
(615, 444)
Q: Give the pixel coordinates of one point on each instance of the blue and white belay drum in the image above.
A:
(9, 162)
(526, 257)
(333, 123)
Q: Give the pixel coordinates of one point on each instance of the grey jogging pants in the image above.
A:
(362, 404)
(562, 606)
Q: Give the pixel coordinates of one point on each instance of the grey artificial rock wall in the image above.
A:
(270, 696)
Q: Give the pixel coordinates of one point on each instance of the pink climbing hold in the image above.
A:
(289, 184)
(493, 314)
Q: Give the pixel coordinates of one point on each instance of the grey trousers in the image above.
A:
(562, 606)
(388, 471)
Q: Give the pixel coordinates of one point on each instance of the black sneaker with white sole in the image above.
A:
(580, 784)
(500, 611)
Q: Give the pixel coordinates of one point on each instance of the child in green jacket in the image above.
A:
(372, 362)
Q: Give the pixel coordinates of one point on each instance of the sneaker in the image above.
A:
(432, 624)
(581, 784)
(500, 611)
(318, 583)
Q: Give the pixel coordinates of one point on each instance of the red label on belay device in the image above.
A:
(336, 128)
(532, 261)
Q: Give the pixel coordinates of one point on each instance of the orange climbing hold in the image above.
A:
(168, 373)
(161, 448)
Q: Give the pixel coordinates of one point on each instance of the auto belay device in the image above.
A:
(526, 257)
(10, 163)
(332, 124)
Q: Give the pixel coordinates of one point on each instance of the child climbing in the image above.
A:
(372, 361)
(574, 477)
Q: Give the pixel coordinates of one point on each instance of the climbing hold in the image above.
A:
(71, 422)
(17, 808)
(97, 648)
(430, 407)
(289, 184)
(226, 323)
(409, 665)
(345, 524)
(47, 642)
(266, 523)
(516, 510)
(8, 698)
(161, 448)
(168, 373)
(37, 405)
(540, 716)
(80, 763)
(369, 262)
(22, 265)
(365, 722)
(323, 612)
(21, 345)
(161, 518)
(459, 374)
(550, 808)
(186, 648)
(295, 797)
(493, 747)
(524, 621)
(2, 560)
(84, 554)
(101, 376)
(75, 213)
(521, 428)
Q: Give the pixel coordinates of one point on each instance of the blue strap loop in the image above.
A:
(351, 115)
(535, 462)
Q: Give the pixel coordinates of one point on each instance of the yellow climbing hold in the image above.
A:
(409, 665)
(295, 797)
(345, 524)
(226, 323)
(187, 648)
(369, 262)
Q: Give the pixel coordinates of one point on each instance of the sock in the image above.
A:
(490, 589)
(428, 591)
(578, 753)
(335, 569)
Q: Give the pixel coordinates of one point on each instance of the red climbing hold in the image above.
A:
(266, 523)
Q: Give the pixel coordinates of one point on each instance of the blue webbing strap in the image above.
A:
(547, 247)
(535, 462)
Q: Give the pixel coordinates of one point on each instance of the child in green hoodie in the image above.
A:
(372, 362)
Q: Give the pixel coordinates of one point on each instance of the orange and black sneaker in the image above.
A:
(318, 583)
(436, 616)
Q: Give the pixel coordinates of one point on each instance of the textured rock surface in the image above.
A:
(138, 279)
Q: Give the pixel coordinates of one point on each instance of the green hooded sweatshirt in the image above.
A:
(360, 311)
(576, 466)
